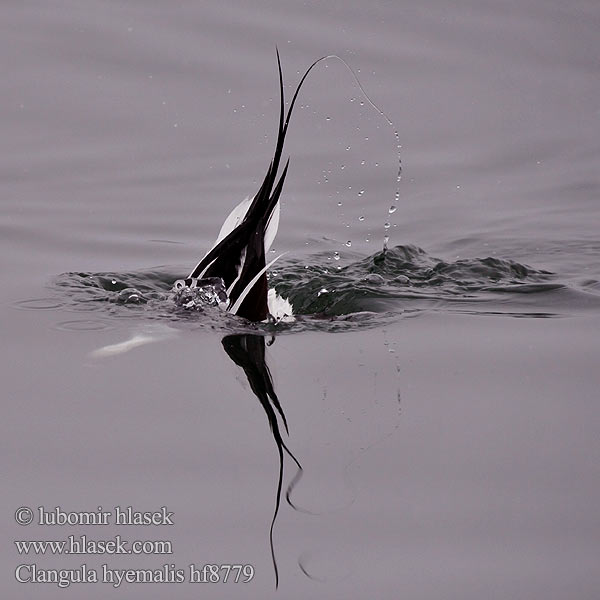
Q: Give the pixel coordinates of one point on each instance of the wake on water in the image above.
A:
(394, 283)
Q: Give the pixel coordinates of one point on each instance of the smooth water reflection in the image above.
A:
(248, 352)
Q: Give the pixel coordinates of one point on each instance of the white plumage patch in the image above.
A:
(235, 217)
(280, 308)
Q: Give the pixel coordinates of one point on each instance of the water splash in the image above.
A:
(360, 292)
(197, 294)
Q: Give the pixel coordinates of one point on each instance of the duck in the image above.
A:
(233, 273)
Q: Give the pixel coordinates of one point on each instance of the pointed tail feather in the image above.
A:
(239, 257)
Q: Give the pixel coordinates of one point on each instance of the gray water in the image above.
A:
(441, 397)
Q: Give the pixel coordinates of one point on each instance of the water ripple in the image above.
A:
(400, 282)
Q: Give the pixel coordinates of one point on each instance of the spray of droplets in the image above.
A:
(393, 207)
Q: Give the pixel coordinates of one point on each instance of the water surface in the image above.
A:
(441, 397)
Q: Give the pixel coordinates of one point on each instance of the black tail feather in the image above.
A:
(225, 258)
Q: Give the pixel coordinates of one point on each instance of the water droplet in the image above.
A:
(361, 193)
(386, 239)
(339, 203)
(342, 167)
(322, 291)
(352, 99)
(328, 118)
(114, 281)
(376, 164)
(362, 162)
(386, 225)
(366, 139)
(361, 218)
(347, 148)
(349, 243)
(336, 256)
(392, 209)
(361, 102)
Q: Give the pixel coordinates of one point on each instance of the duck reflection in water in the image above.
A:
(248, 352)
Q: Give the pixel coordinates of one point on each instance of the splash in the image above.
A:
(197, 294)
(402, 281)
